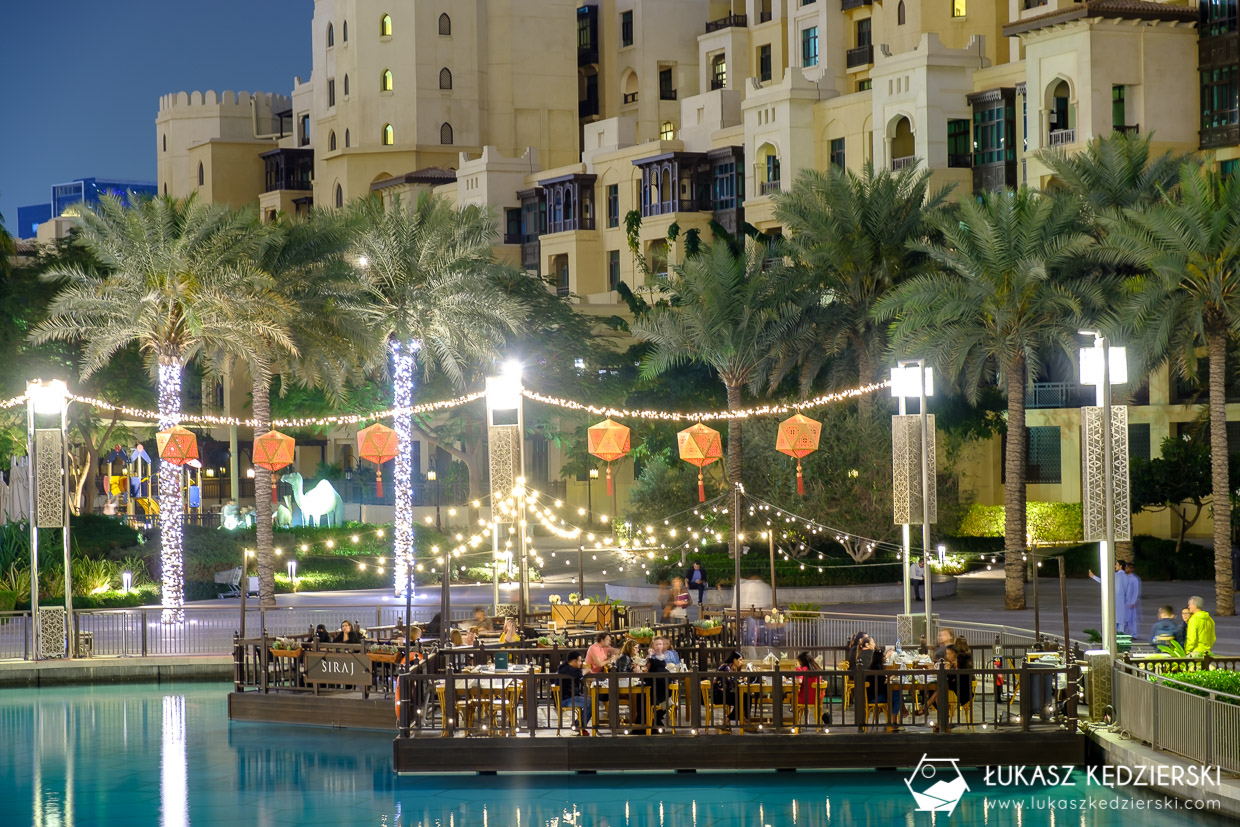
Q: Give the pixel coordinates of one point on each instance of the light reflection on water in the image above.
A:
(167, 756)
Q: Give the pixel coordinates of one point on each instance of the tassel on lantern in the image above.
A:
(273, 489)
(800, 480)
(609, 490)
(379, 483)
(701, 487)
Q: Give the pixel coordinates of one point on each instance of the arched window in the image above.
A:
(345, 31)
(445, 134)
(331, 35)
(201, 177)
(445, 24)
(346, 139)
(445, 78)
(385, 81)
(667, 131)
(389, 135)
(165, 143)
(346, 86)
(900, 14)
(339, 196)
(385, 26)
(331, 141)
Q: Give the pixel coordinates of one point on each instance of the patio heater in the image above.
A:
(49, 508)
(914, 493)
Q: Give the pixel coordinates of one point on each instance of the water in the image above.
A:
(166, 755)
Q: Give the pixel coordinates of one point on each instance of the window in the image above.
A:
(445, 78)
(389, 135)
(613, 269)
(613, 205)
(331, 141)
(346, 86)
(809, 46)
(1139, 441)
(626, 28)
(385, 26)
(772, 168)
(1229, 168)
(900, 17)
(667, 131)
(512, 225)
(346, 139)
(165, 143)
(863, 32)
(837, 153)
(958, 154)
(994, 133)
(667, 84)
(1217, 17)
(958, 8)
(344, 31)
(1220, 97)
(445, 134)
(865, 85)
(724, 192)
(339, 197)
(305, 130)
(718, 72)
(1118, 117)
(331, 35)
(445, 25)
(201, 176)
(1044, 459)
(331, 91)
(385, 81)
(764, 63)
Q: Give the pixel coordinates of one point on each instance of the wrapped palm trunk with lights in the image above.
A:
(170, 506)
(402, 483)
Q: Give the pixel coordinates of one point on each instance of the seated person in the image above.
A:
(628, 654)
(661, 649)
(866, 655)
(573, 689)
(956, 656)
(347, 634)
(1167, 629)
(656, 666)
(482, 621)
(808, 688)
(510, 634)
(725, 689)
(600, 654)
(321, 634)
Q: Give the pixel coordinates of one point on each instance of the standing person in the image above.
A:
(1200, 628)
(696, 578)
(1133, 615)
(600, 653)
(680, 599)
(1121, 593)
(1167, 628)
(573, 689)
(917, 574)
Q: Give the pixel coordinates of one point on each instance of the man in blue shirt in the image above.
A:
(1167, 628)
(1121, 594)
(696, 578)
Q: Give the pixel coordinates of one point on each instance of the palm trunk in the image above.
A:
(1224, 591)
(171, 514)
(262, 495)
(865, 375)
(1015, 461)
(734, 436)
(402, 483)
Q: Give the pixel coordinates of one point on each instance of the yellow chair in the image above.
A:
(708, 701)
(967, 709)
(559, 709)
(464, 707)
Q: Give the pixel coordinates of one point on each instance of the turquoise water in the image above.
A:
(166, 755)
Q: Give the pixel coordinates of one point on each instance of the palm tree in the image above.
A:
(428, 300)
(1189, 297)
(1116, 172)
(1005, 293)
(312, 336)
(729, 309)
(849, 241)
(165, 282)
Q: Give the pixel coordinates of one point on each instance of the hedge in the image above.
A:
(1217, 680)
(1048, 523)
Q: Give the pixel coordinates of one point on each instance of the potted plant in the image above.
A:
(642, 634)
(547, 642)
(707, 628)
(283, 647)
(383, 653)
(776, 619)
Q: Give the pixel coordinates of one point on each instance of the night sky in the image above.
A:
(82, 80)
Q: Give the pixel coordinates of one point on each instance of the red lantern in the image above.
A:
(378, 445)
(609, 441)
(273, 450)
(700, 446)
(798, 437)
(177, 445)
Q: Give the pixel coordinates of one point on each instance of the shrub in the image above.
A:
(1047, 522)
(1217, 680)
(8, 601)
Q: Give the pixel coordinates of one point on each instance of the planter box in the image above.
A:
(384, 657)
(700, 632)
(285, 653)
(597, 615)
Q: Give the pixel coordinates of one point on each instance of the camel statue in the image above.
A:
(282, 516)
(317, 503)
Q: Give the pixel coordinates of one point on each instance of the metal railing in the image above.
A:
(769, 187)
(1199, 724)
(731, 21)
(859, 56)
(905, 162)
(1058, 395)
(1061, 137)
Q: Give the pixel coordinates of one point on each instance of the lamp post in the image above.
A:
(505, 437)
(1103, 366)
(590, 496)
(48, 494)
(434, 477)
(914, 475)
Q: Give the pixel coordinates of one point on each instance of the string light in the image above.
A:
(402, 387)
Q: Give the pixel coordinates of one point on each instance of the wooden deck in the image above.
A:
(341, 711)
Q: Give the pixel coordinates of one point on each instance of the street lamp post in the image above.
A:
(434, 477)
(48, 495)
(911, 377)
(505, 436)
(590, 496)
(1103, 366)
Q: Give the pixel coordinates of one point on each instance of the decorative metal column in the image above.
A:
(914, 495)
(49, 508)
(505, 460)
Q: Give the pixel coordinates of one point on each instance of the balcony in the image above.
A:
(1059, 395)
(764, 16)
(667, 94)
(512, 238)
(1224, 134)
(1032, 4)
(845, 5)
(904, 162)
(288, 169)
(860, 56)
(732, 21)
(676, 205)
(1061, 137)
(717, 83)
(630, 97)
(1130, 131)
(959, 161)
(768, 187)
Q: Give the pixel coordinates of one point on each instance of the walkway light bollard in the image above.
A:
(48, 497)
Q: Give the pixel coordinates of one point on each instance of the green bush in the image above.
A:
(95, 535)
(1217, 680)
(8, 601)
(1048, 523)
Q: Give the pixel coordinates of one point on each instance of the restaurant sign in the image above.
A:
(347, 668)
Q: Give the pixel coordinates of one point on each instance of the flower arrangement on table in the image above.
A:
(707, 628)
(776, 619)
(284, 647)
(641, 634)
